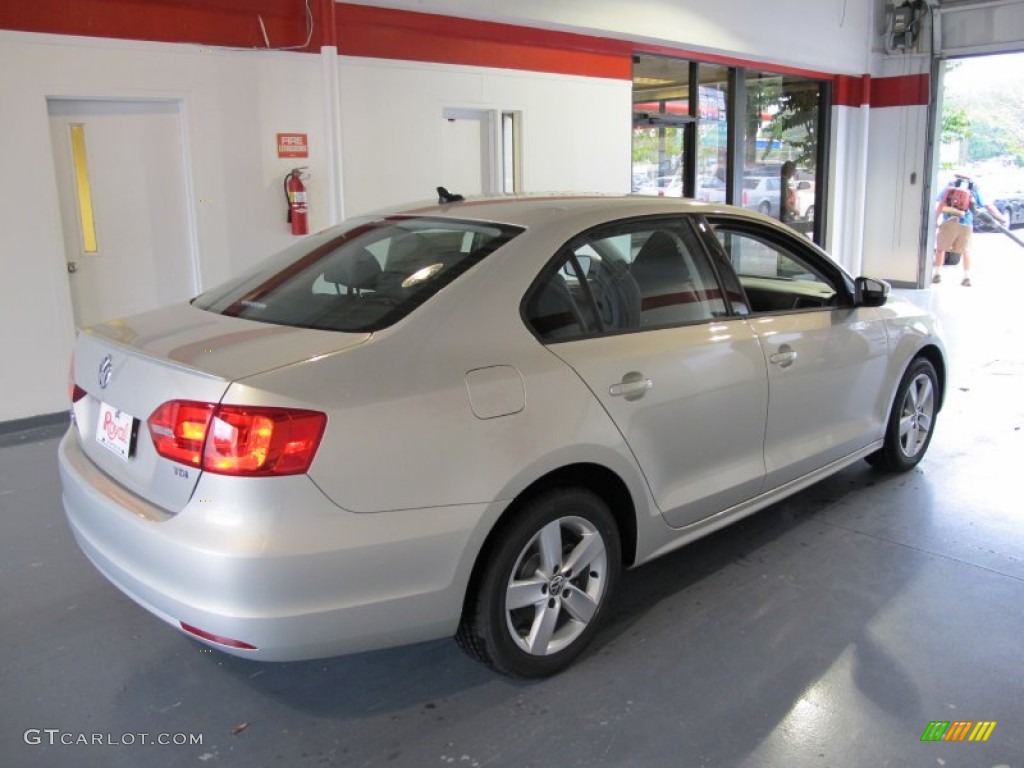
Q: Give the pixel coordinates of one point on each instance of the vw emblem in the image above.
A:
(557, 583)
(106, 368)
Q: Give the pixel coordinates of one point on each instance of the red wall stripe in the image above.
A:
(879, 92)
(849, 91)
(904, 91)
(359, 30)
(389, 34)
(231, 23)
(326, 27)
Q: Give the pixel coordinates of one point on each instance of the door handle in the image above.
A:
(785, 357)
(633, 386)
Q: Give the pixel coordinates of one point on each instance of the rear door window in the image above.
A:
(628, 276)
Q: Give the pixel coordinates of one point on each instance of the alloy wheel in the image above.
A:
(916, 415)
(556, 586)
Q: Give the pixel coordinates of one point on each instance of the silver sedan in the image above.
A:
(467, 418)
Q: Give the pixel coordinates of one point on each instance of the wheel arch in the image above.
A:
(933, 355)
(604, 482)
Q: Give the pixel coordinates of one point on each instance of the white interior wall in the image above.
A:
(894, 193)
(826, 35)
(234, 103)
(896, 184)
(881, 150)
(575, 136)
(576, 131)
(845, 178)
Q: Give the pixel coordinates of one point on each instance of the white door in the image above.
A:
(467, 152)
(142, 256)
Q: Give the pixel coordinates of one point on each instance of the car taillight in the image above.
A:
(262, 441)
(178, 429)
(75, 392)
(237, 440)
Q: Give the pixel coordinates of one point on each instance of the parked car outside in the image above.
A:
(761, 194)
(1011, 205)
(663, 186)
(711, 189)
(467, 419)
(803, 198)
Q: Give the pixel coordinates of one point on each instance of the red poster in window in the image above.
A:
(292, 145)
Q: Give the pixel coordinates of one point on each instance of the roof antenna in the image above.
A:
(444, 196)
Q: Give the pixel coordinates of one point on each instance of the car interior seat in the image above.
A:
(666, 286)
(615, 293)
(357, 271)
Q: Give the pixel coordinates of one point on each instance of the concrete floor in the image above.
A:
(827, 630)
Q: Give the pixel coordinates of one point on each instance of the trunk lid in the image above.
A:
(174, 353)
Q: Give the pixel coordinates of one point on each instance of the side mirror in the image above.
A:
(869, 292)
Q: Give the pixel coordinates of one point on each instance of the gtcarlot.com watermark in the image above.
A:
(56, 737)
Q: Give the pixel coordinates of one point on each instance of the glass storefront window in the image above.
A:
(712, 133)
(781, 147)
(661, 114)
(684, 115)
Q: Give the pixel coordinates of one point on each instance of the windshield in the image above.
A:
(362, 276)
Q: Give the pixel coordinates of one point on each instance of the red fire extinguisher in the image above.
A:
(298, 206)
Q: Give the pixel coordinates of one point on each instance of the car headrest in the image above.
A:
(659, 262)
(355, 269)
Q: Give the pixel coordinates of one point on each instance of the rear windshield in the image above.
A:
(361, 276)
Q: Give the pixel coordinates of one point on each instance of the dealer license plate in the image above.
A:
(116, 430)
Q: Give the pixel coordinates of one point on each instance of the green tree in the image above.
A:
(956, 124)
(987, 141)
(996, 123)
(984, 108)
(795, 122)
(762, 96)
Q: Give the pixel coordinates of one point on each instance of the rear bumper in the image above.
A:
(273, 563)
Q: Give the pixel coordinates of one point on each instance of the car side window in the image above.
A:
(557, 308)
(775, 275)
(626, 277)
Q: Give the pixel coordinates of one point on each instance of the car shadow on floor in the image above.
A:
(743, 628)
(674, 589)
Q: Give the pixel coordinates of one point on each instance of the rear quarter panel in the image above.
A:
(401, 431)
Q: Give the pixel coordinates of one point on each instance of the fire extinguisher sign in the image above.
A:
(292, 145)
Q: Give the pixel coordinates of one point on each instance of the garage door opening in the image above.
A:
(981, 137)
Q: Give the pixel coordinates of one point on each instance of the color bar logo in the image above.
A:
(958, 730)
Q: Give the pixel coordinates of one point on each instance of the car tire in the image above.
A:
(911, 421)
(809, 213)
(543, 586)
(765, 207)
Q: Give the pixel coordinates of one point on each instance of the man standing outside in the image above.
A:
(954, 211)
